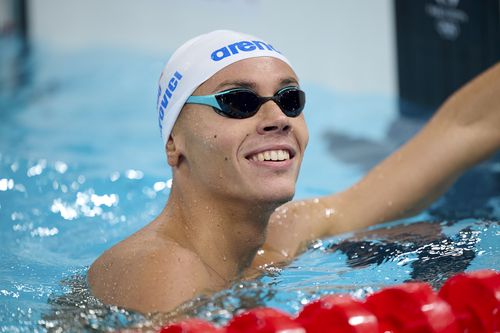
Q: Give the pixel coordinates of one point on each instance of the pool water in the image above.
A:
(82, 167)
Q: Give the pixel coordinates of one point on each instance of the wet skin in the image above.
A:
(225, 205)
(217, 151)
(221, 199)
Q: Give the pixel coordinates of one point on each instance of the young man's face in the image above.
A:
(223, 156)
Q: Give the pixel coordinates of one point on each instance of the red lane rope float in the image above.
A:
(475, 300)
(337, 313)
(263, 320)
(412, 308)
(467, 303)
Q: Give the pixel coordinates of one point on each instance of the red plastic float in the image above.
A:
(337, 313)
(191, 326)
(412, 308)
(475, 300)
(263, 320)
(467, 303)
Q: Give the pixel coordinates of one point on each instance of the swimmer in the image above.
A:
(230, 112)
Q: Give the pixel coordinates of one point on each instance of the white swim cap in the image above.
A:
(195, 62)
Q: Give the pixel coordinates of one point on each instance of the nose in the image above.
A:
(272, 119)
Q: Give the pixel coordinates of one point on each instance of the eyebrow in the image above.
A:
(251, 84)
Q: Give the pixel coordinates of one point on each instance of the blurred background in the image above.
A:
(81, 160)
(349, 46)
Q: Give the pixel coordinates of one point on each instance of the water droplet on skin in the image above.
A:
(329, 212)
(281, 212)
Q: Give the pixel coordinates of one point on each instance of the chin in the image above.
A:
(277, 195)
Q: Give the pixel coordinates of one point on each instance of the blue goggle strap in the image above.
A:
(204, 100)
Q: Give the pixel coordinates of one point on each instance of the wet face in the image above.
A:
(254, 159)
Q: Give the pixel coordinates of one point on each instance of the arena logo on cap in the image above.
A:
(245, 46)
(167, 96)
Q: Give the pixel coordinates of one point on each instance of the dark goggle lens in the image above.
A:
(239, 103)
(291, 101)
(245, 103)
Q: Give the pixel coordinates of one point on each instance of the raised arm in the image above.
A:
(464, 131)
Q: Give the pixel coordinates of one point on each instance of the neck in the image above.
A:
(225, 234)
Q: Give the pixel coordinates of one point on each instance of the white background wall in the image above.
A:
(346, 45)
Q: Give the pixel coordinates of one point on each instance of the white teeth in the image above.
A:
(272, 155)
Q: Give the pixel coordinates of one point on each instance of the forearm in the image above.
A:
(408, 181)
(465, 131)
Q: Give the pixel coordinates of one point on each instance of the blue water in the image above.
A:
(81, 167)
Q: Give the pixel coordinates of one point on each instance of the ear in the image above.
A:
(173, 153)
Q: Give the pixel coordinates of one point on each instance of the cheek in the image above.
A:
(210, 148)
(226, 138)
(215, 138)
(223, 147)
(302, 132)
(305, 136)
(201, 132)
(306, 139)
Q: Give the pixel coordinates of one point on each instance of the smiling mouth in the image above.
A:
(271, 155)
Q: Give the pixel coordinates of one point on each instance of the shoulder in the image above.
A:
(147, 274)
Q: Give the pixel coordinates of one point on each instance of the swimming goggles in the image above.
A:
(244, 103)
